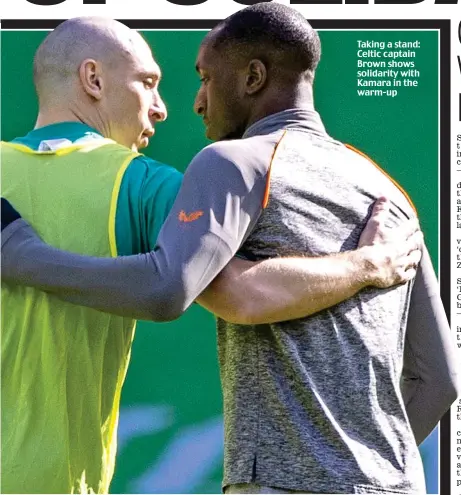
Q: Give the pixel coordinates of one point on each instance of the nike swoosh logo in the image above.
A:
(191, 217)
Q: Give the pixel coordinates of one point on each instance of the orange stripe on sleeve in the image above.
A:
(396, 184)
(268, 182)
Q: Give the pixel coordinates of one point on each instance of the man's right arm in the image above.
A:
(282, 289)
(289, 288)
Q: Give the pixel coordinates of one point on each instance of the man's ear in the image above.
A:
(91, 79)
(256, 76)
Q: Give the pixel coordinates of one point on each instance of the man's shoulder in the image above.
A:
(253, 153)
(230, 147)
(149, 166)
(146, 179)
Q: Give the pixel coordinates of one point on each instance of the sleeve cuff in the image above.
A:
(12, 228)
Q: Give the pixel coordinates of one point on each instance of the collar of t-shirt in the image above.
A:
(296, 118)
(55, 136)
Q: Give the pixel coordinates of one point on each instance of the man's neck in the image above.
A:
(298, 98)
(44, 119)
(55, 116)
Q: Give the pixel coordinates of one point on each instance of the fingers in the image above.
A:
(410, 267)
(408, 228)
(414, 257)
(415, 241)
(380, 211)
(374, 231)
(381, 205)
(408, 275)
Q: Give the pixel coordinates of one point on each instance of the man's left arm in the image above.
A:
(430, 378)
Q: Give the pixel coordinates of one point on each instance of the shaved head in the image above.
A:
(58, 58)
(100, 72)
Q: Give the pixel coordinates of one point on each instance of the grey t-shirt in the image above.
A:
(314, 404)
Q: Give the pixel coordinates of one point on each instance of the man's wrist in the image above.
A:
(12, 228)
(366, 265)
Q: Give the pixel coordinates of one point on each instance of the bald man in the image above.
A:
(79, 179)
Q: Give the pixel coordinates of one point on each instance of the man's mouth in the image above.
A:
(148, 133)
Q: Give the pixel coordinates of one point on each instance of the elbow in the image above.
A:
(452, 390)
(167, 306)
(452, 383)
(163, 313)
(448, 391)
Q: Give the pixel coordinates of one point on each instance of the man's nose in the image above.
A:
(158, 110)
(199, 104)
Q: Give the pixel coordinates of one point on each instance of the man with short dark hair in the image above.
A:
(315, 404)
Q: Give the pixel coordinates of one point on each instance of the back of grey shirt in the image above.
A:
(315, 404)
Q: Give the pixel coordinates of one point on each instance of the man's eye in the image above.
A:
(149, 83)
(204, 80)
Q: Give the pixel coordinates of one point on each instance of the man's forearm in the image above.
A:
(286, 288)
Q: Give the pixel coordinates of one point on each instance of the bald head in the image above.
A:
(59, 57)
(98, 71)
